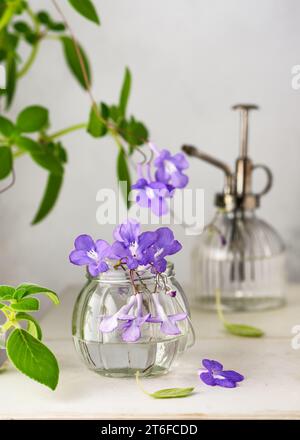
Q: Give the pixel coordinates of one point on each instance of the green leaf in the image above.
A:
(96, 127)
(44, 17)
(32, 119)
(22, 27)
(172, 393)
(11, 78)
(50, 196)
(134, 132)
(7, 128)
(6, 161)
(73, 61)
(49, 162)
(125, 91)
(26, 305)
(33, 327)
(86, 9)
(32, 358)
(26, 289)
(124, 175)
(27, 144)
(6, 292)
(243, 330)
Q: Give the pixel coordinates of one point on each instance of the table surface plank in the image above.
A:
(271, 367)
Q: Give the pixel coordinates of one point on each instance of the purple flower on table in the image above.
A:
(168, 323)
(170, 169)
(91, 254)
(130, 245)
(213, 374)
(153, 195)
(163, 245)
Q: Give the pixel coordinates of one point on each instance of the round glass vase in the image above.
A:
(154, 352)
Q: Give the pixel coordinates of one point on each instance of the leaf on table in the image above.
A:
(73, 61)
(125, 91)
(86, 9)
(32, 358)
(26, 289)
(172, 393)
(124, 175)
(33, 118)
(50, 196)
(243, 330)
(6, 162)
(26, 305)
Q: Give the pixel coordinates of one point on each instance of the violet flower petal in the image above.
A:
(80, 258)
(84, 242)
(226, 383)
(232, 375)
(212, 365)
(207, 378)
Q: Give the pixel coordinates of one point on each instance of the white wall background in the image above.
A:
(190, 60)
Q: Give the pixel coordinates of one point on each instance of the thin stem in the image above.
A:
(137, 374)
(35, 46)
(19, 153)
(67, 130)
(82, 65)
(10, 184)
(219, 307)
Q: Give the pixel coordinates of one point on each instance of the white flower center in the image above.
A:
(133, 248)
(93, 254)
(170, 167)
(159, 252)
(150, 193)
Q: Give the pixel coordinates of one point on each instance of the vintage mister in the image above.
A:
(239, 253)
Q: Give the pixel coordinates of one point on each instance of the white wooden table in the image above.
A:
(270, 364)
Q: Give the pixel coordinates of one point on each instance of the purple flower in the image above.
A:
(130, 245)
(131, 329)
(153, 195)
(110, 323)
(169, 169)
(168, 322)
(90, 253)
(163, 245)
(213, 374)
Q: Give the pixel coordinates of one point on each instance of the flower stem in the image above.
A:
(219, 307)
(137, 374)
(67, 131)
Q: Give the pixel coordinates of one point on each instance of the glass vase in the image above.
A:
(119, 329)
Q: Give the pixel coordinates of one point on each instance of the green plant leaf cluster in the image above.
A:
(24, 347)
(21, 24)
(126, 130)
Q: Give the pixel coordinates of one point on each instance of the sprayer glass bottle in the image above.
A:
(239, 254)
